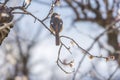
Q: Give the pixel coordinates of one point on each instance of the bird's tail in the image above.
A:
(57, 39)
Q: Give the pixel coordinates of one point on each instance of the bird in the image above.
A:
(56, 25)
(6, 18)
(26, 3)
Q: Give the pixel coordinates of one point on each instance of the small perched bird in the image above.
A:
(56, 25)
(26, 3)
(5, 22)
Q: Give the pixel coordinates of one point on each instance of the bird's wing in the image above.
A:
(60, 25)
(4, 32)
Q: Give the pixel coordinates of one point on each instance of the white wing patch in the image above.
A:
(4, 15)
(52, 23)
(61, 23)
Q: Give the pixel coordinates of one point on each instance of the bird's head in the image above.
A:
(55, 15)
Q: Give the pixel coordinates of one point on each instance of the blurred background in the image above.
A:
(29, 52)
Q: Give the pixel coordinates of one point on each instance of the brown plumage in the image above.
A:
(4, 32)
(5, 18)
(56, 25)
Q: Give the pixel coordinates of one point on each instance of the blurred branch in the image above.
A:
(62, 44)
(97, 73)
(5, 2)
(87, 51)
(110, 77)
(98, 19)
